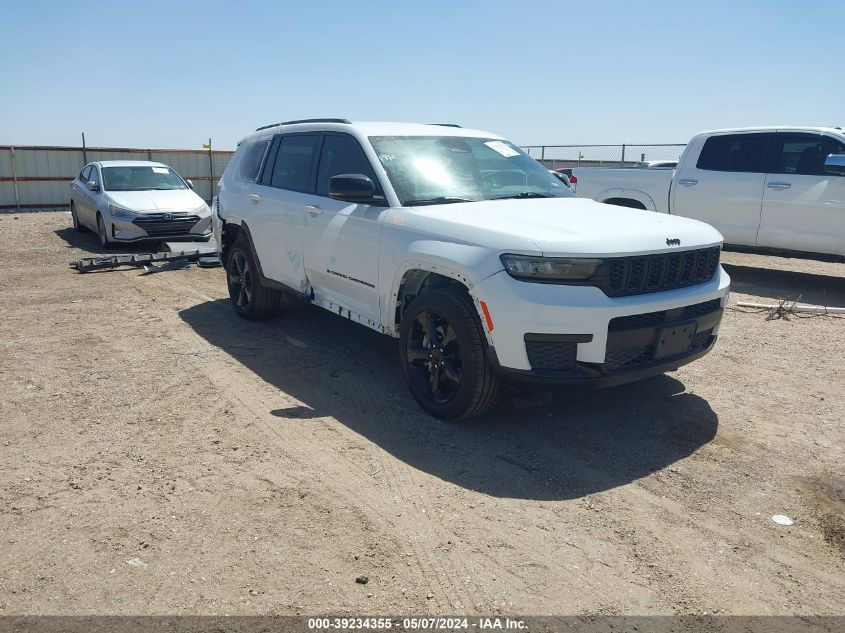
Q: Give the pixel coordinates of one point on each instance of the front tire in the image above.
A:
(249, 298)
(101, 232)
(442, 350)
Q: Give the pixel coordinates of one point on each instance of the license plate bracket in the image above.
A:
(675, 340)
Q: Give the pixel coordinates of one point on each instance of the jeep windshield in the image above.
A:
(141, 178)
(454, 169)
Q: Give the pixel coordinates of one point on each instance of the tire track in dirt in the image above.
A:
(259, 398)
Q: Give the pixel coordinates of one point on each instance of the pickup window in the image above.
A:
(733, 152)
(805, 154)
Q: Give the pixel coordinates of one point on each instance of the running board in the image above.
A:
(146, 260)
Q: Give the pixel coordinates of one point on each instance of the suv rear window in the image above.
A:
(733, 152)
(295, 163)
(250, 163)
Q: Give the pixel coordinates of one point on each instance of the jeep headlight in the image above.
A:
(550, 268)
(120, 212)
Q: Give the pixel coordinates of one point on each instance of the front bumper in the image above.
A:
(176, 227)
(548, 334)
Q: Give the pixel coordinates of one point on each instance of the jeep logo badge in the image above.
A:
(673, 241)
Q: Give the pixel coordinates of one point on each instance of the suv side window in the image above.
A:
(294, 166)
(250, 163)
(804, 154)
(342, 154)
(733, 152)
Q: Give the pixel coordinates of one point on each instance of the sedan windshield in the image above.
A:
(141, 178)
(452, 169)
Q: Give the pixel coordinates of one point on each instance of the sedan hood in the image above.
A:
(564, 226)
(179, 200)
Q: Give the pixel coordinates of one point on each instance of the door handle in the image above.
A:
(313, 211)
(255, 198)
(688, 181)
(778, 185)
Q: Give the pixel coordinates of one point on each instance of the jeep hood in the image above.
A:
(563, 226)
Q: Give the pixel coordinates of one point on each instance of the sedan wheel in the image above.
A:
(101, 231)
(75, 218)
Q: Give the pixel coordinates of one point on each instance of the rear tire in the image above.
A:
(75, 218)
(249, 298)
(443, 354)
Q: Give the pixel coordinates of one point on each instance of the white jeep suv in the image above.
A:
(485, 266)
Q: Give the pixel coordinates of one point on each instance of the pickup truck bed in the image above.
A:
(627, 187)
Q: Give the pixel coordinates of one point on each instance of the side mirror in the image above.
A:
(835, 164)
(351, 188)
(93, 186)
(189, 183)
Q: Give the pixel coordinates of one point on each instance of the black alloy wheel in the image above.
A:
(240, 281)
(433, 355)
(443, 351)
(250, 298)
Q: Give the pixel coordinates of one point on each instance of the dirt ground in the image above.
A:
(161, 456)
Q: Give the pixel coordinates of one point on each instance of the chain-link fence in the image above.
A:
(622, 155)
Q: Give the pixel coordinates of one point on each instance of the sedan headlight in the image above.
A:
(120, 212)
(550, 268)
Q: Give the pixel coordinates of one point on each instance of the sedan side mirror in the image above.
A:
(93, 186)
(189, 183)
(835, 164)
(351, 188)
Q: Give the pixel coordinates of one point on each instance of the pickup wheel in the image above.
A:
(442, 350)
(249, 298)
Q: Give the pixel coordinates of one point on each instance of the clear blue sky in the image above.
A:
(171, 74)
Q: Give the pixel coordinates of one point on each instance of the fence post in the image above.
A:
(84, 151)
(15, 179)
(210, 170)
(622, 164)
(542, 152)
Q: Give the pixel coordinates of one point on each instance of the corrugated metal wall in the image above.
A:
(37, 178)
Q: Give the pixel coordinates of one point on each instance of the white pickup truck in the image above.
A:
(771, 188)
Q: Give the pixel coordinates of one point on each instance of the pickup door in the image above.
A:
(803, 207)
(723, 183)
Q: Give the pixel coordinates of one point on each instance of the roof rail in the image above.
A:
(264, 127)
(445, 124)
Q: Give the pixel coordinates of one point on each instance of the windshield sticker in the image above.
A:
(502, 148)
(161, 170)
(386, 157)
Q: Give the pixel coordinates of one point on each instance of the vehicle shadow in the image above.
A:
(787, 284)
(585, 442)
(87, 241)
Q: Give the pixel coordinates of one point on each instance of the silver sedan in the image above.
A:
(128, 201)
